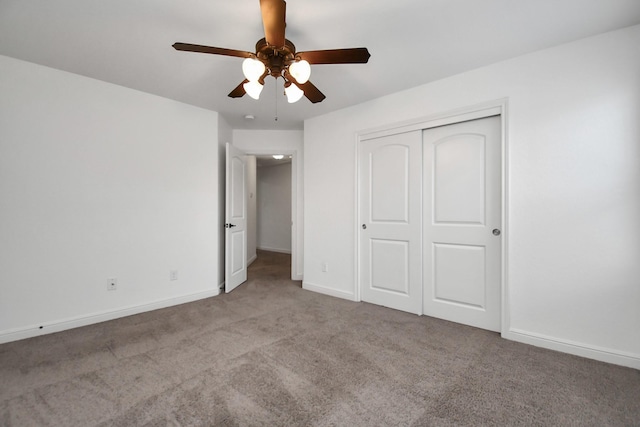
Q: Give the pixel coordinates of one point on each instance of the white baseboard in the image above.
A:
(282, 251)
(629, 360)
(328, 291)
(253, 258)
(76, 322)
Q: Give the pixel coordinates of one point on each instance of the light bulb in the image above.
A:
(252, 69)
(278, 156)
(301, 71)
(293, 92)
(253, 89)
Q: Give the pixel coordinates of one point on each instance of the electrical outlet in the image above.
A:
(112, 284)
(325, 267)
(173, 275)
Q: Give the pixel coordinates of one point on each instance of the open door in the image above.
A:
(235, 235)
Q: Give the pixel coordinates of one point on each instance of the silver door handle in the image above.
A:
(364, 226)
(229, 225)
(496, 232)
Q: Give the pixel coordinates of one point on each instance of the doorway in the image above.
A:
(291, 156)
(273, 201)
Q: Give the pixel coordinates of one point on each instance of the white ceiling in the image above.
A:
(411, 42)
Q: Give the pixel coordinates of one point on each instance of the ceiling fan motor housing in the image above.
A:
(276, 59)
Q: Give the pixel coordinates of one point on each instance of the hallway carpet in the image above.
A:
(272, 354)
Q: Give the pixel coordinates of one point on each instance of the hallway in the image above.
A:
(271, 266)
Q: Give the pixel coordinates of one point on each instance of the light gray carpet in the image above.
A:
(272, 354)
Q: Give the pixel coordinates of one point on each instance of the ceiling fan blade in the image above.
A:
(310, 91)
(239, 91)
(358, 55)
(273, 20)
(210, 49)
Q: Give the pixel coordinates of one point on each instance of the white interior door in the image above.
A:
(390, 229)
(462, 220)
(235, 270)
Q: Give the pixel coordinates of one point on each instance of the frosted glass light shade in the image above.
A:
(301, 71)
(253, 89)
(252, 69)
(293, 92)
(278, 156)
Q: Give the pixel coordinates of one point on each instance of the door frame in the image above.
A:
(497, 107)
(296, 214)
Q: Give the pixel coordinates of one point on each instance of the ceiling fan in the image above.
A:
(277, 56)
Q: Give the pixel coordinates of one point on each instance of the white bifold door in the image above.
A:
(235, 271)
(430, 238)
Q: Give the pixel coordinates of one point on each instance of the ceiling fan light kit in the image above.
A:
(253, 89)
(293, 92)
(276, 56)
(253, 69)
(300, 70)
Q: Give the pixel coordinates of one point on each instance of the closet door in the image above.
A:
(390, 221)
(462, 220)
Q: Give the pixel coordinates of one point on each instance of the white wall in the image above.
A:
(574, 190)
(100, 181)
(274, 208)
(282, 142)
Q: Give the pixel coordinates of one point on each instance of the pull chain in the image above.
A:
(276, 86)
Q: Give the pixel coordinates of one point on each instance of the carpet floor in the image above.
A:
(270, 353)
